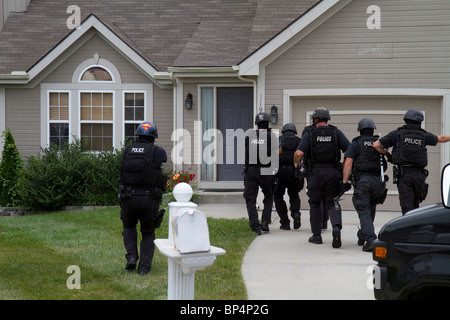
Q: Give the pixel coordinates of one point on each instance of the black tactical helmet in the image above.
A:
(414, 115)
(321, 112)
(366, 123)
(147, 129)
(261, 117)
(289, 127)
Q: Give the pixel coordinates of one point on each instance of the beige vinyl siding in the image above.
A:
(23, 118)
(64, 72)
(411, 50)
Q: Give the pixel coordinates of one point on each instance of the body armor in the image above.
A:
(410, 149)
(324, 146)
(258, 148)
(138, 169)
(289, 143)
(369, 158)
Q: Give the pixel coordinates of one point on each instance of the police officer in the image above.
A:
(141, 186)
(286, 178)
(323, 145)
(409, 155)
(367, 166)
(258, 148)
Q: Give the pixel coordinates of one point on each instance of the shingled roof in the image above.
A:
(166, 33)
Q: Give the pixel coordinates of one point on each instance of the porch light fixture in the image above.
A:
(188, 101)
(274, 114)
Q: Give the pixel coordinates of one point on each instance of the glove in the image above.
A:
(346, 186)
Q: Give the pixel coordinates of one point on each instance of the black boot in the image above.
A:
(147, 252)
(130, 242)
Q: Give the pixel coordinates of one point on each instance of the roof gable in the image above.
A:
(163, 33)
(290, 35)
(92, 22)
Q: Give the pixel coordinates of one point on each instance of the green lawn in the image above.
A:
(36, 250)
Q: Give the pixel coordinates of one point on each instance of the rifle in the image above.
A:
(344, 188)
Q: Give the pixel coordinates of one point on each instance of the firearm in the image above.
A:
(344, 188)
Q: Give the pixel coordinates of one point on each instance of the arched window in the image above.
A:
(96, 73)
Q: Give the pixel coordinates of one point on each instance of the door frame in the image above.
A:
(214, 184)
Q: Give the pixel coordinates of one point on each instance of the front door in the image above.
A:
(234, 111)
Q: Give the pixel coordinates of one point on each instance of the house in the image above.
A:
(96, 69)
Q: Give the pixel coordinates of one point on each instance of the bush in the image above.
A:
(66, 175)
(11, 167)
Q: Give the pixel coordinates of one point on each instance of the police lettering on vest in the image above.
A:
(324, 139)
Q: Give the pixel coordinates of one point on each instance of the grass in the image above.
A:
(35, 252)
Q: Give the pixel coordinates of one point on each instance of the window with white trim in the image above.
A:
(58, 111)
(134, 112)
(96, 73)
(96, 120)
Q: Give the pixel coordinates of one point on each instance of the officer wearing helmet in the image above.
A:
(409, 156)
(258, 155)
(367, 166)
(322, 144)
(286, 178)
(140, 192)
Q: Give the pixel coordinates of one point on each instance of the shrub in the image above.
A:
(11, 167)
(66, 175)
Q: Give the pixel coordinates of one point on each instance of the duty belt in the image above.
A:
(324, 165)
(411, 169)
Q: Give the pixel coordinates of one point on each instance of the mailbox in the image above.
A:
(191, 231)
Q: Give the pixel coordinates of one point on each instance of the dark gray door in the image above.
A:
(234, 111)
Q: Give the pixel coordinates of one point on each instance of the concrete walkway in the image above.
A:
(283, 265)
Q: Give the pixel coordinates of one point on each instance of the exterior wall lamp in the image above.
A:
(274, 114)
(188, 101)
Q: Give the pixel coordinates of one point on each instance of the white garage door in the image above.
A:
(387, 113)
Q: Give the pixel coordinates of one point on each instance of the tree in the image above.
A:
(11, 167)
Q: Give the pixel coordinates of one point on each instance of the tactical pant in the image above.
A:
(253, 180)
(323, 185)
(133, 210)
(367, 194)
(286, 180)
(410, 188)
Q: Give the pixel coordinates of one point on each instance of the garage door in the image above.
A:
(387, 113)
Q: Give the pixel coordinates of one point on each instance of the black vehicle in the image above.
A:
(413, 252)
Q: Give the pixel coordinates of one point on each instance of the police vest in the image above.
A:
(258, 148)
(410, 148)
(369, 159)
(324, 146)
(138, 169)
(289, 142)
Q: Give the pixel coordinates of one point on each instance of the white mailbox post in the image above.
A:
(187, 247)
